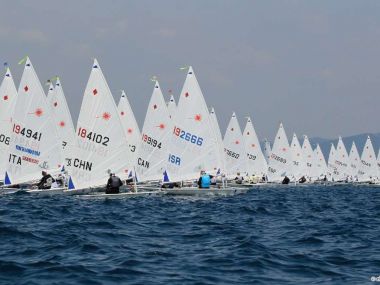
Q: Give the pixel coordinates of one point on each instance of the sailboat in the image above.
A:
(342, 161)
(378, 160)
(61, 113)
(320, 164)
(131, 129)
(355, 162)
(308, 156)
(280, 161)
(234, 149)
(193, 143)
(267, 150)
(256, 163)
(8, 96)
(50, 91)
(172, 107)
(332, 171)
(153, 150)
(369, 171)
(34, 143)
(101, 146)
(296, 154)
(219, 138)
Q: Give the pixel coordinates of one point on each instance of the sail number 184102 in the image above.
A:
(97, 138)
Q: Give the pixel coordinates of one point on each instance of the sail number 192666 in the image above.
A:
(188, 136)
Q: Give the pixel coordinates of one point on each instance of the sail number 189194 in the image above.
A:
(151, 141)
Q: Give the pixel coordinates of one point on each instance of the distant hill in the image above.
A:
(358, 139)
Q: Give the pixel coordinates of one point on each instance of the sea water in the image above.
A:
(271, 235)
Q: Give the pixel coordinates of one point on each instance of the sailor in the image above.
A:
(213, 180)
(224, 180)
(46, 181)
(60, 181)
(113, 184)
(253, 179)
(286, 180)
(302, 179)
(239, 179)
(129, 181)
(204, 180)
(170, 185)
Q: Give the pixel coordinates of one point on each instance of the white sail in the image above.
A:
(219, 138)
(308, 157)
(256, 163)
(378, 160)
(153, 149)
(320, 163)
(355, 162)
(280, 160)
(35, 145)
(8, 97)
(369, 170)
(298, 165)
(131, 129)
(172, 107)
(341, 161)
(234, 148)
(101, 140)
(50, 92)
(61, 113)
(332, 171)
(194, 144)
(267, 150)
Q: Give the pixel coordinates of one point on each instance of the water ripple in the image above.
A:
(272, 235)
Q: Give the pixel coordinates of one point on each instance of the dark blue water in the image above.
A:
(305, 235)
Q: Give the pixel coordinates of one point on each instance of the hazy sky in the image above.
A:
(314, 65)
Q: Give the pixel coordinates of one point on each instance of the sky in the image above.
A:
(313, 65)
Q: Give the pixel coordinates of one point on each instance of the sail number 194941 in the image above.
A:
(17, 129)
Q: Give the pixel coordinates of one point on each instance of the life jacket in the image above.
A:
(286, 180)
(45, 182)
(115, 182)
(239, 179)
(253, 179)
(205, 181)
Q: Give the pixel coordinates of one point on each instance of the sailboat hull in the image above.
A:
(51, 192)
(192, 191)
(122, 195)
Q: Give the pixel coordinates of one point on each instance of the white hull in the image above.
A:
(32, 191)
(51, 192)
(192, 191)
(122, 195)
(246, 184)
